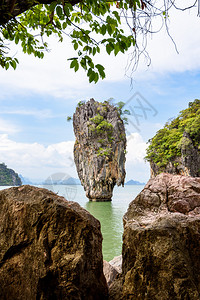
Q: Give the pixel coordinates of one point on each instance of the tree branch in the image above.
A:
(10, 9)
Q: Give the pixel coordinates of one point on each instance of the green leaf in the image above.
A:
(64, 25)
(109, 48)
(94, 50)
(89, 72)
(73, 63)
(7, 65)
(101, 69)
(96, 77)
(52, 6)
(103, 29)
(115, 13)
(59, 11)
(92, 76)
(117, 49)
(76, 66)
(109, 29)
(16, 39)
(75, 46)
(13, 64)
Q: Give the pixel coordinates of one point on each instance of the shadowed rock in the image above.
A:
(50, 248)
(99, 150)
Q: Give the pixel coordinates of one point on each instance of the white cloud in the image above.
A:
(136, 167)
(40, 114)
(35, 160)
(136, 148)
(182, 28)
(8, 127)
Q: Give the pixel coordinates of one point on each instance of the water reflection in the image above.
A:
(111, 226)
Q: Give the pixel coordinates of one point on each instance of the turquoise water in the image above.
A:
(109, 214)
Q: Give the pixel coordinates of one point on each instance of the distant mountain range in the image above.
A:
(51, 181)
(133, 182)
(65, 181)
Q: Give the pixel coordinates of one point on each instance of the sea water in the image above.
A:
(110, 214)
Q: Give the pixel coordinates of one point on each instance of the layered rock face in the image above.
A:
(50, 248)
(161, 241)
(99, 150)
(188, 164)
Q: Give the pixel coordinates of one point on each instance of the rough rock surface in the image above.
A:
(50, 248)
(99, 150)
(188, 164)
(161, 241)
(110, 272)
(116, 262)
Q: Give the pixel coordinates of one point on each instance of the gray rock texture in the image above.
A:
(116, 262)
(161, 242)
(112, 269)
(99, 150)
(110, 272)
(50, 248)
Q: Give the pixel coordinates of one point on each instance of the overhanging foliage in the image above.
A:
(90, 25)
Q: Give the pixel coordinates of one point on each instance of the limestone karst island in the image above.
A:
(51, 248)
(99, 150)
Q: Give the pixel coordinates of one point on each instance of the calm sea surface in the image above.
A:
(109, 214)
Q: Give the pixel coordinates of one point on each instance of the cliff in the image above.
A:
(8, 177)
(99, 150)
(175, 149)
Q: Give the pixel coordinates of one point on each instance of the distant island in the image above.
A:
(133, 182)
(8, 177)
(65, 181)
(62, 181)
(51, 180)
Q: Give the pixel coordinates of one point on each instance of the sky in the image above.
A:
(35, 138)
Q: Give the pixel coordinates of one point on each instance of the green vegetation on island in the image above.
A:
(177, 135)
(8, 177)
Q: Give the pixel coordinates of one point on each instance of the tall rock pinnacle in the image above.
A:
(99, 150)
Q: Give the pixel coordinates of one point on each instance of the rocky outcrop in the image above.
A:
(175, 148)
(50, 248)
(188, 164)
(99, 150)
(190, 156)
(8, 177)
(161, 242)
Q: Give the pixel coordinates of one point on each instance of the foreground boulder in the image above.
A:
(50, 248)
(161, 241)
(99, 150)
